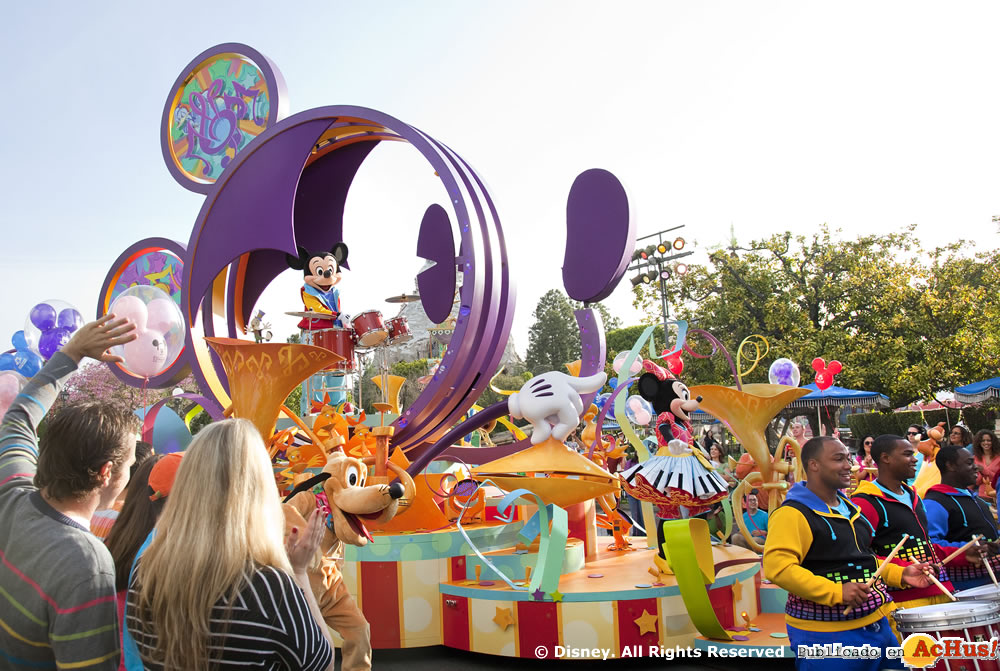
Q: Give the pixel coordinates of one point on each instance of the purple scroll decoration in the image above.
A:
(717, 346)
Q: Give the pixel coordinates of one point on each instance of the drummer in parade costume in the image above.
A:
(321, 274)
(955, 514)
(679, 479)
(894, 509)
(819, 549)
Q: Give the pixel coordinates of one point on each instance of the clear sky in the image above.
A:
(768, 116)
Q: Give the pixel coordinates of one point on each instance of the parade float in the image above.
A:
(499, 552)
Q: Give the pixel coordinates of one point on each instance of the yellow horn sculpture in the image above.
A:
(261, 376)
(395, 384)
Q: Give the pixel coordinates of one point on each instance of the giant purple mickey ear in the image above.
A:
(600, 236)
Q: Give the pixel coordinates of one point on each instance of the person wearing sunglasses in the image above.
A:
(916, 434)
(866, 461)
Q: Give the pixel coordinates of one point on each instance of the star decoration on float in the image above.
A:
(646, 623)
(504, 618)
(556, 595)
(538, 595)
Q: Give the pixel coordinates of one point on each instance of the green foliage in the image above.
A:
(878, 423)
(554, 339)
(904, 322)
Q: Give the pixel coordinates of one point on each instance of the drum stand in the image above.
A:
(316, 386)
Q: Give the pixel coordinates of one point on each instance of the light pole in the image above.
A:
(654, 262)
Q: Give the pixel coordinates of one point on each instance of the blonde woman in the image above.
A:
(217, 589)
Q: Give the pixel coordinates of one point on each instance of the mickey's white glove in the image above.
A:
(551, 402)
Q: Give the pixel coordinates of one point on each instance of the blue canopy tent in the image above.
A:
(977, 392)
(838, 397)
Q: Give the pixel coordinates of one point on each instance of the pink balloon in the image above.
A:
(10, 387)
(147, 355)
(131, 308)
(163, 315)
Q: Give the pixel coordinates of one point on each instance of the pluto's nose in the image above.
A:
(698, 399)
(396, 490)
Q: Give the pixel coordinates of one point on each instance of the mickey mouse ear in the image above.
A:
(819, 364)
(834, 367)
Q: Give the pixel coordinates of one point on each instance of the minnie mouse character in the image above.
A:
(321, 272)
(678, 474)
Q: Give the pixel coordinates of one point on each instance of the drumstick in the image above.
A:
(881, 567)
(941, 587)
(961, 550)
(986, 560)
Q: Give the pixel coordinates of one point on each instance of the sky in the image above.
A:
(762, 116)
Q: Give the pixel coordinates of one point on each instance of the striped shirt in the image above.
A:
(57, 581)
(269, 627)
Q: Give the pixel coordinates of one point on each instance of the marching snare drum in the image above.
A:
(970, 621)
(369, 329)
(399, 330)
(339, 341)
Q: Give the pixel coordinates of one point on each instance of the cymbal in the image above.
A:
(310, 315)
(403, 298)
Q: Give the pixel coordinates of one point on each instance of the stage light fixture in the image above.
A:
(664, 274)
(662, 248)
(637, 280)
(681, 269)
(679, 244)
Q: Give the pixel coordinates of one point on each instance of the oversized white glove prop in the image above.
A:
(551, 402)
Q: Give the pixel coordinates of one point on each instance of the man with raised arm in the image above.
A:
(58, 579)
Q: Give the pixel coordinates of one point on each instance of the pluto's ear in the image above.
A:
(299, 263)
(649, 386)
(339, 252)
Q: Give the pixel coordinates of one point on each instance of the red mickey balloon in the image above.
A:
(675, 364)
(825, 373)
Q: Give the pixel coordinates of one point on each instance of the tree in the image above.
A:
(904, 322)
(554, 338)
(95, 381)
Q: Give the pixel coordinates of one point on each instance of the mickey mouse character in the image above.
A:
(321, 272)
(678, 474)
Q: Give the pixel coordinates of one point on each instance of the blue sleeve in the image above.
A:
(937, 524)
(763, 520)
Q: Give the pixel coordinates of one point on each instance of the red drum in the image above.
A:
(339, 341)
(971, 621)
(369, 329)
(399, 330)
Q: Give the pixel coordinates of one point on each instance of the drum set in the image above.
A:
(368, 334)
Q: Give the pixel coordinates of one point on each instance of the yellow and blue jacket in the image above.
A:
(811, 550)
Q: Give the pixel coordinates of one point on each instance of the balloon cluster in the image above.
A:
(50, 325)
(47, 329)
(158, 325)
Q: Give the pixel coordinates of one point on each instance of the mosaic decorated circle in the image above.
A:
(224, 101)
(160, 268)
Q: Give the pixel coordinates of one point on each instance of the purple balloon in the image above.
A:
(70, 319)
(43, 316)
(52, 341)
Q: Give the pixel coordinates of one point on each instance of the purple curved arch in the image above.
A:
(252, 209)
(182, 366)
(276, 88)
